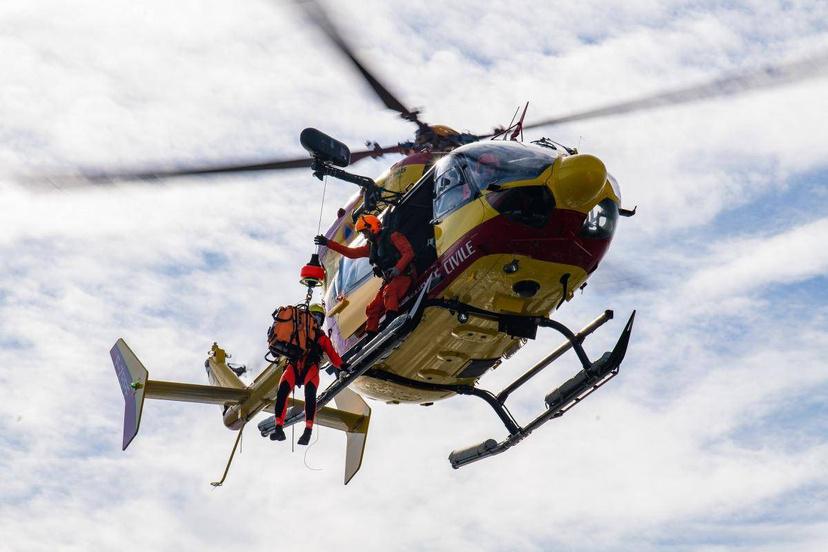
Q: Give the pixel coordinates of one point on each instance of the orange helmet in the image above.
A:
(368, 222)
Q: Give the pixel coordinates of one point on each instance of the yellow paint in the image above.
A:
(338, 307)
(474, 333)
(508, 303)
(401, 178)
(458, 223)
(485, 285)
(606, 191)
(218, 354)
(443, 130)
(441, 347)
(577, 180)
(352, 315)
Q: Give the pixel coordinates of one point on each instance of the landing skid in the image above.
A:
(592, 376)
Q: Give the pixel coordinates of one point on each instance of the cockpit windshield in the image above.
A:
(497, 162)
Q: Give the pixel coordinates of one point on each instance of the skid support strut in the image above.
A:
(591, 377)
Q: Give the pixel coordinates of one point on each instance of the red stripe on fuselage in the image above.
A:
(556, 242)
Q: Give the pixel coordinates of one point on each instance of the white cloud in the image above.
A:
(669, 451)
(742, 265)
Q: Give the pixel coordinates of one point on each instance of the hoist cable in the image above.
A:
(322, 205)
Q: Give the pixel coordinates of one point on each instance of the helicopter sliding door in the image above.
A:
(413, 218)
(354, 286)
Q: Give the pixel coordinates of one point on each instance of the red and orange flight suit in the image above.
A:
(305, 372)
(385, 252)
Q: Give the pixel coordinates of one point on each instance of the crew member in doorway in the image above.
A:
(305, 372)
(390, 254)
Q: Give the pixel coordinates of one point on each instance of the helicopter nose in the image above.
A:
(577, 180)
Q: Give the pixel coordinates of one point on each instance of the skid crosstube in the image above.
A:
(592, 376)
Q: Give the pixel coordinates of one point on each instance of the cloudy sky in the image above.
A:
(713, 437)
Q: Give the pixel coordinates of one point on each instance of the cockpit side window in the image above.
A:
(452, 188)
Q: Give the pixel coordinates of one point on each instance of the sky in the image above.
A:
(713, 437)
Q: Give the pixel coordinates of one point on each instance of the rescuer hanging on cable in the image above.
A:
(305, 371)
(390, 254)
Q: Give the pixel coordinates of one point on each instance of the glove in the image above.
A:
(320, 240)
(392, 273)
(377, 272)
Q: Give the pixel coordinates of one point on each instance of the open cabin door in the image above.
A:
(353, 285)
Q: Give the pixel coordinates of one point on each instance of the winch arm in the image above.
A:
(373, 195)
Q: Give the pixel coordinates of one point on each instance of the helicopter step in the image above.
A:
(592, 376)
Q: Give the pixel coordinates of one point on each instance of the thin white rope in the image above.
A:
(318, 431)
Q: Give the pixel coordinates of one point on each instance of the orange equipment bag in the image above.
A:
(293, 331)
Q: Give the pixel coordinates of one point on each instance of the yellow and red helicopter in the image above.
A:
(504, 233)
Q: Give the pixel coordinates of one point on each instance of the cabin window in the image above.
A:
(600, 222)
(333, 287)
(352, 273)
(452, 189)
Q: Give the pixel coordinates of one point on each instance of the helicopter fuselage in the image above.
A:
(501, 226)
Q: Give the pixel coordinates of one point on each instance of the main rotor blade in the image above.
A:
(320, 18)
(768, 76)
(105, 177)
(96, 177)
(376, 152)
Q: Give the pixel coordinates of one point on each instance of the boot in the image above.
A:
(278, 434)
(389, 317)
(305, 438)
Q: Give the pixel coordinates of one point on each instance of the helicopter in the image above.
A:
(504, 234)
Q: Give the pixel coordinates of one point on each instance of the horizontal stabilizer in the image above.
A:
(352, 417)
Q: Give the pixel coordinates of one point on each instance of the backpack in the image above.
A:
(293, 332)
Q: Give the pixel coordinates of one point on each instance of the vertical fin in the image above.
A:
(132, 376)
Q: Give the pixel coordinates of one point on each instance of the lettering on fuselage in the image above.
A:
(458, 257)
(451, 264)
